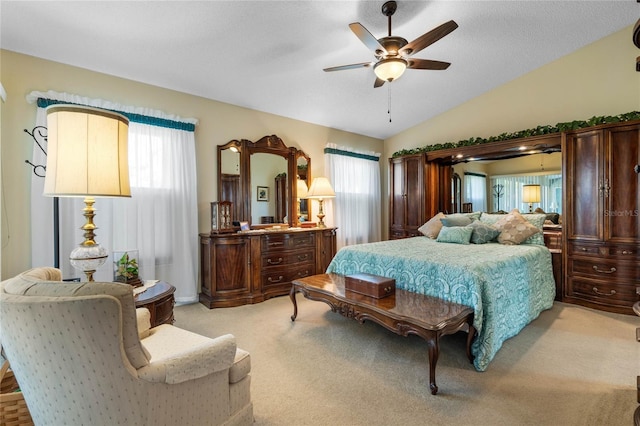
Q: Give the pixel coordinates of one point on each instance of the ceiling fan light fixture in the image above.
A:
(390, 69)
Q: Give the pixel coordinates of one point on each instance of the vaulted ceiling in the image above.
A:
(269, 55)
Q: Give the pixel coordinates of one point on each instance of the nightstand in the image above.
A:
(159, 300)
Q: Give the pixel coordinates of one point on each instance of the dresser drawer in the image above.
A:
(287, 241)
(286, 275)
(607, 269)
(600, 291)
(284, 258)
(625, 253)
(586, 249)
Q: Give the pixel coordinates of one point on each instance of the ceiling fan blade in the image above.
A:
(348, 67)
(379, 82)
(427, 64)
(367, 38)
(428, 38)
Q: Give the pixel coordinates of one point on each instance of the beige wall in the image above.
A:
(219, 123)
(599, 79)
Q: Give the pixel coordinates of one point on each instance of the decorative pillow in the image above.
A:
(456, 220)
(536, 220)
(473, 216)
(483, 233)
(514, 228)
(491, 218)
(432, 228)
(455, 234)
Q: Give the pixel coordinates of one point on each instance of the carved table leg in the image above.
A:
(292, 296)
(472, 333)
(434, 352)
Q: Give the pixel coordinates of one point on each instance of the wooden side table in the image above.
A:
(159, 300)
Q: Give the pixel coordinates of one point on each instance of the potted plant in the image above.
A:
(126, 268)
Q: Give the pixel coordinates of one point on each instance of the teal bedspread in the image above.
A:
(506, 285)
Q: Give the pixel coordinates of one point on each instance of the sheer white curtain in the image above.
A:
(160, 218)
(475, 191)
(356, 181)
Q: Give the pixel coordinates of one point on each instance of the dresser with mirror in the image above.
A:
(265, 182)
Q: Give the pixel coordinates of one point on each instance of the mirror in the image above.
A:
(260, 179)
(229, 177)
(504, 180)
(268, 188)
(303, 180)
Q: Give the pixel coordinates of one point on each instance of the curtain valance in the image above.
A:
(134, 114)
(347, 152)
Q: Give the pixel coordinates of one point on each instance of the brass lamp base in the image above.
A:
(89, 255)
(320, 214)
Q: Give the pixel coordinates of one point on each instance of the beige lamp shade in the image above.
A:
(321, 189)
(302, 189)
(87, 152)
(531, 193)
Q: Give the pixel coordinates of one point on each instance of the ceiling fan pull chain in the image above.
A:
(389, 103)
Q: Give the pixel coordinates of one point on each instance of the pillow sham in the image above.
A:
(535, 219)
(514, 228)
(455, 220)
(483, 233)
(472, 216)
(455, 234)
(432, 227)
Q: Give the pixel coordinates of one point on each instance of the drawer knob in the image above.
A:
(274, 262)
(583, 248)
(611, 293)
(303, 257)
(303, 274)
(271, 280)
(610, 271)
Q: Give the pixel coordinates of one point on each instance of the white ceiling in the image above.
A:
(269, 55)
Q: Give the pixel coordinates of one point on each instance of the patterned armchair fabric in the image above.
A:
(83, 354)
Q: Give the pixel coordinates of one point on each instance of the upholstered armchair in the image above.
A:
(83, 355)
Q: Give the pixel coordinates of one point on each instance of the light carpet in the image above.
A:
(571, 366)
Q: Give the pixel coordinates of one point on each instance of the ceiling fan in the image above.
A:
(393, 53)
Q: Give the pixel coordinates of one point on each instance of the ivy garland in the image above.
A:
(536, 131)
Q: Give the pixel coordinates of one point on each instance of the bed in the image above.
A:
(506, 285)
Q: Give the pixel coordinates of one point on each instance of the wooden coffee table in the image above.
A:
(403, 313)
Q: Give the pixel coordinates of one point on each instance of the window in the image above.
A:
(475, 191)
(356, 181)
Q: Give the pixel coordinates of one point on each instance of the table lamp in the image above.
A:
(531, 194)
(87, 157)
(320, 190)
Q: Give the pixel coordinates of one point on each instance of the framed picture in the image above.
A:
(244, 226)
(263, 193)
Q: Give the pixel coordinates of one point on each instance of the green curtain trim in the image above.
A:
(351, 154)
(540, 130)
(135, 118)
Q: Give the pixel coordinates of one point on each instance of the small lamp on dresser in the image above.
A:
(531, 194)
(320, 190)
